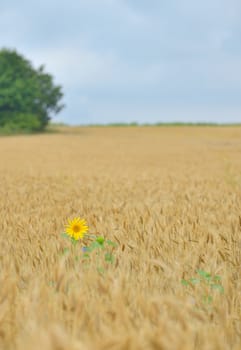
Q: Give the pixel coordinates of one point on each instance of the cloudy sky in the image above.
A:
(134, 60)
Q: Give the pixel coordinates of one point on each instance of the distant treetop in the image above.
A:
(28, 96)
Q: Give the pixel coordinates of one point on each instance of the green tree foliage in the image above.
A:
(28, 96)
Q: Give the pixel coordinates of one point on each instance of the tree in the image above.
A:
(28, 96)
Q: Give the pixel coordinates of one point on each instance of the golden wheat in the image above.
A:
(170, 198)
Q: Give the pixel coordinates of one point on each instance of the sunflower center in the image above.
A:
(76, 228)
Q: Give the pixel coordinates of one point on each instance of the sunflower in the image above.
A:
(76, 228)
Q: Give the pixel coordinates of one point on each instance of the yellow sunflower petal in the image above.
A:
(76, 228)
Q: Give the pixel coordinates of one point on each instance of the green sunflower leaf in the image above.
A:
(218, 287)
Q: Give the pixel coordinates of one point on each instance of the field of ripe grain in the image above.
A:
(169, 197)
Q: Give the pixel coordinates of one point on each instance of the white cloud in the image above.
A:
(84, 68)
(133, 55)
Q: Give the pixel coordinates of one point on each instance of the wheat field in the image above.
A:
(170, 197)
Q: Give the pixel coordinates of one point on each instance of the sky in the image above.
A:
(140, 61)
